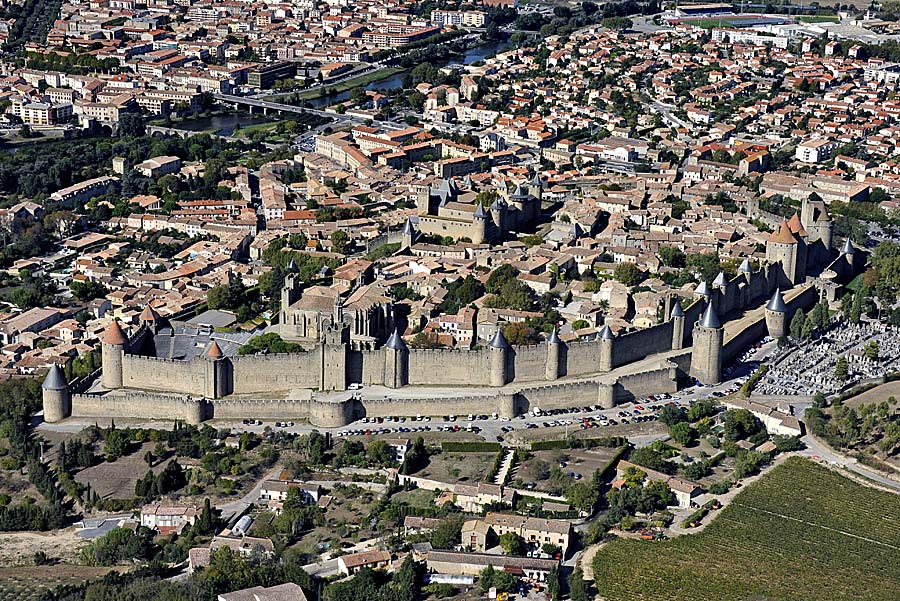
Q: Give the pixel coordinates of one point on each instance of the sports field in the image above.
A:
(801, 532)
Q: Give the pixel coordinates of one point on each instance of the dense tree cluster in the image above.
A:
(152, 486)
(18, 400)
(270, 343)
(846, 427)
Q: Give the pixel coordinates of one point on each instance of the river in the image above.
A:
(221, 124)
(472, 55)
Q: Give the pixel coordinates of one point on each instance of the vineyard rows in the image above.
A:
(748, 553)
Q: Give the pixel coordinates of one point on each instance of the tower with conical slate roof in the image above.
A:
(776, 316)
(499, 351)
(396, 362)
(677, 318)
(56, 396)
(708, 347)
(606, 348)
(554, 350)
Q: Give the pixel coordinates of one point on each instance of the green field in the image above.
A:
(717, 22)
(28, 583)
(802, 532)
(819, 19)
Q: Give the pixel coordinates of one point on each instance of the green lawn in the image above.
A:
(802, 532)
(819, 19)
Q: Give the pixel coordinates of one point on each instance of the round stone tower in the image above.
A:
(479, 223)
(776, 316)
(553, 352)
(706, 354)
(217, 372)
(677, 318)
(499, 350)
(56, 395)
(112, 349)
(606, 348)
(396, 362)
(781, 247)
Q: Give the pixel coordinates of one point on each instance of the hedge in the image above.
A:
(579, 443)
(457, 446)
(495, 469)
(699, 514)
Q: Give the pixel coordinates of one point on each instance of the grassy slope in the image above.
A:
(791, 536)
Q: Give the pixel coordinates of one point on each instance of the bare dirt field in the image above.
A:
(876, 395)
(539, 468)
(458, 467)
(560, 432)
(17, 548)
(26, 583)
(116, 480)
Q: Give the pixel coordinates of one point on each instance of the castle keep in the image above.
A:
(354, 340)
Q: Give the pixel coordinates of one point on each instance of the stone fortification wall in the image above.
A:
(151, 373)
(634, 346)
(366, 367)
(756, 329)
(450, 367)
(258, 409)
(581, 358)
(529, 363)
(557, 396)
(139, 404)
(653, 381)
(263, 374)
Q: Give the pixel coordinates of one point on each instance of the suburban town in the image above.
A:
(507, 300)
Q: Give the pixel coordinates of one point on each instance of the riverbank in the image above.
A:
(326, 90)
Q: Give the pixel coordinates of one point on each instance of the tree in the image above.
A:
(582, 495)
(682, 433)
(672, 257)
(270, 343)
(808, 327)
(797, 322)
(748, 463)
(520, 334)
(500, 277)
(339, 241)
(786, 443)
(672, 414)
(705, 264)
(872, 350)
(315, 446)
(578, 590)
(512, 543)
(447, 534)
(741, 424)
(617, 23)
(553, 583)
(358, 95)
(627, 273)
(148, 458)
(380, 453)
(489, 577)
(697, 470)
(842, 369)
(702, 408)
(131, 125)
